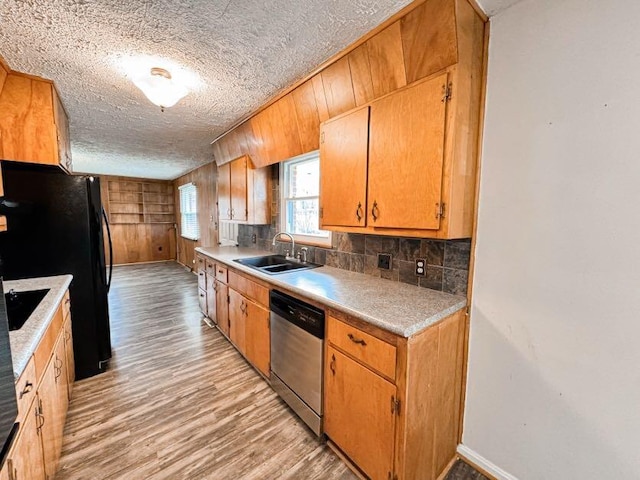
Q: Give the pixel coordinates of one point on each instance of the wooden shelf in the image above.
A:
(140, 202)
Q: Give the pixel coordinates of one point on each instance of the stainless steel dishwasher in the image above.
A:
(297, 349)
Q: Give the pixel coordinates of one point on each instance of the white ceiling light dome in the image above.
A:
(160, 88)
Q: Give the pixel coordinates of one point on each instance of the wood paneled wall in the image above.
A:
(421, 41)
(138, 242)
(205, 179)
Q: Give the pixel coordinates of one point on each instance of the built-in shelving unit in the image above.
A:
(132, 202)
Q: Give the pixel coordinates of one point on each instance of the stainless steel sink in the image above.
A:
(273, 264)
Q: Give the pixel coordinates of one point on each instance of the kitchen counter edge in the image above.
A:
(25, 341)
(449, 303)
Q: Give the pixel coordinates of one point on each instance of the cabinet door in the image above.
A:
(70, 360)
(211, 298)
(257, 337)
(25, 460)
(51, 430)
(358, 415)
(202, 300)
(62, 382)
(222, 307)
(343, 169)
(224, 192)
(239, 189)
(237, 319)
(406, 152)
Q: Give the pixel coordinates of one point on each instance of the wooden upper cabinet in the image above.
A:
(224, 191)
(239, 189)
(386, 61)
(33, 123)
(429, 38)
(243, 192)
(406, 153)
(338, 89)
(343, 167)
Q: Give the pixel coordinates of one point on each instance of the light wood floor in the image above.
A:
(178, 401)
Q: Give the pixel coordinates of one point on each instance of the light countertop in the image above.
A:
(393, 306)
(25, 340)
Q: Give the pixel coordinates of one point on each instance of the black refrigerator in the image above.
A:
(55, 227)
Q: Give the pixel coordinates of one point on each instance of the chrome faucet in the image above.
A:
(293, 242)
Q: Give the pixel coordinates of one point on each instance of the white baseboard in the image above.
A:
(483, 463)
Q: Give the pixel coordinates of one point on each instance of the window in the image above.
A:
(189, 227)
(300, 187)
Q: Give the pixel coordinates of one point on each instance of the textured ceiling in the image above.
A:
(239, 52)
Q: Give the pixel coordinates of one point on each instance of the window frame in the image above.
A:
(188, 234)
(314, 240)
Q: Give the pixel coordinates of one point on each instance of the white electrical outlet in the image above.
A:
(421, 267)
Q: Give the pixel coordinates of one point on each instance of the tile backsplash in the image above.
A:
(447, 260)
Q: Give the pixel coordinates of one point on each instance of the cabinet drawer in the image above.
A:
(371, 351)
(210, 267)
(221, 273)
(26, 389)
(202, 280)
(66, 305)
(249, 288)
(200, 263)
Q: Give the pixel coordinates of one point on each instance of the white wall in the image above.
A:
(554, 368)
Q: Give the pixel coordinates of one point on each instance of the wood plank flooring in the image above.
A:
(179, 402)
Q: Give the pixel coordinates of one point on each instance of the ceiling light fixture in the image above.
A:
(160, 88)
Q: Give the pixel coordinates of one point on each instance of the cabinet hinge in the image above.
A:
(395, 406)
(446, 92)
(440, 208)
(321, 211)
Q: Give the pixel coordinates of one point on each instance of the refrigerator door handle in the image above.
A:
(106, 223)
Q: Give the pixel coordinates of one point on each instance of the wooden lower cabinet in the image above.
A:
(202, 300)
(359, 418)
(51, 410)
(258, 337)
(25, 461)
(244, 303)
(403, 424)
(211, 299)
(237, 320)
(69, 360)
(222, 307)
(36, 451)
